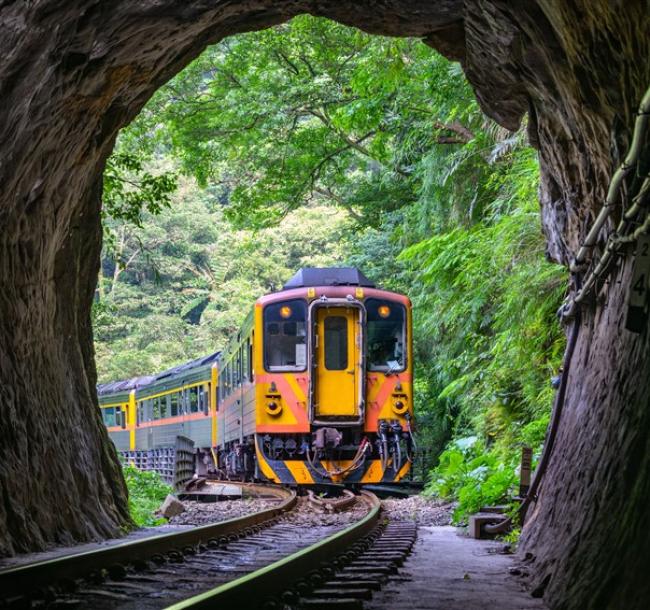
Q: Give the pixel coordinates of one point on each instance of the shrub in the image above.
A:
(147, 491)
(473, 476)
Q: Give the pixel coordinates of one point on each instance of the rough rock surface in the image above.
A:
(73, 73)
(171, 507)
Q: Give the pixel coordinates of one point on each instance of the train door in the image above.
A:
(337, 370)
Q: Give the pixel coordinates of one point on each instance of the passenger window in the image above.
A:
(194, 399)
(250, 359)
(202, 397)
(336, 343)
(173, 407)
(243, 356)
(108, 415)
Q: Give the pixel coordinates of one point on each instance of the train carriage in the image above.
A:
(315, 387)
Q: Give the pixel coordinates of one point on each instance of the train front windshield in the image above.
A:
(285, 336)
(386, 335)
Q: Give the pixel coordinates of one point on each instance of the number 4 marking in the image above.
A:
(640, 285)
(637, 306)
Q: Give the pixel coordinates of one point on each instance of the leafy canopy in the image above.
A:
(308, 111)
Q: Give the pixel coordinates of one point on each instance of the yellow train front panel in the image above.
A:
(333, 385)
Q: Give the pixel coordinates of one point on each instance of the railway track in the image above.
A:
(253, 561)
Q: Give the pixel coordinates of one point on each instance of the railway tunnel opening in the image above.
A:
(579, 70)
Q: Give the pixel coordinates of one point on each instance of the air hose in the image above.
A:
(411, 437)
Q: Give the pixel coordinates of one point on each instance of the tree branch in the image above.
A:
(354, 144)
(327, 192)
(464, 135)
(287, 61)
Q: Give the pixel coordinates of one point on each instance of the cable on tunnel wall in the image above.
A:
(621, 235)
(570, 310)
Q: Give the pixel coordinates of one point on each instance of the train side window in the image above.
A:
(108, 415)
(174, 406)
(193, 395)
(246, 360)
(202, 392)
(250, 358)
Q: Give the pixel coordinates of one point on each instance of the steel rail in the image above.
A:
(251, 590)
(28, 577)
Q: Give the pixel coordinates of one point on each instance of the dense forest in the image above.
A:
(315, 144)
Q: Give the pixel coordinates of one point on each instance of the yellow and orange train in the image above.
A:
(316, 387)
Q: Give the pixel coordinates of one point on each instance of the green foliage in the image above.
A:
(314, 143)
(129, 189)
(147, 491)
(311, 110)
(181, 284)
(472, 475)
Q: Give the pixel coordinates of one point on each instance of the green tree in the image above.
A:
(180, 285)
(312, 111)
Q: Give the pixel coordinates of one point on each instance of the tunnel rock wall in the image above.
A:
(73, 73)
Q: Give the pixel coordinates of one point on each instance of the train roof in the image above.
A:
(187, 366)
(328, 276)
(124, 386)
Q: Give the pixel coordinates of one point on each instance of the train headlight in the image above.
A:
(383, 311)
(285, 311)
(400, 407)
(273, 408)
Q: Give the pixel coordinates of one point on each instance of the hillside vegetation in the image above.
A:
(315, 144)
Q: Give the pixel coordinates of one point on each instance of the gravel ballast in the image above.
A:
(200, 513)
(422, 510)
